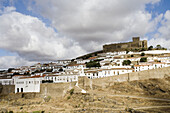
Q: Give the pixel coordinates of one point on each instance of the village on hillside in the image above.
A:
(116, 59)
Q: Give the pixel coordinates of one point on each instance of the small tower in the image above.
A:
(136, 39)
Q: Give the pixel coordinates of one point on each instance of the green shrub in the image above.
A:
(144, 59)
(150, 48)
(93, 64)
(47, 99)
(71, 91)
(36, 112)
(126, 62)
(142, 54)
(10, 112)
(68, 97)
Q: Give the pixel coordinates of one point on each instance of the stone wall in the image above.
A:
(135, 44)
(86, 83)
(6, 89)
(55, 89)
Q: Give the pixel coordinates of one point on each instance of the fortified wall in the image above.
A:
(135, 44)
(86, 83)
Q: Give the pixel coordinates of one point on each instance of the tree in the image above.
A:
(72, 60)
(144, 59)
(143, 49)
(158, 47)
(142, 54)
(61, 69)
(150, 47)
(126, 62)
(10, 69)
(93, 64)
(127, 51)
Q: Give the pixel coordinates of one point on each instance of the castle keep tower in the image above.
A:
(135, 44)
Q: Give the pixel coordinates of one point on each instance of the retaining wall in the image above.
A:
(86, 83)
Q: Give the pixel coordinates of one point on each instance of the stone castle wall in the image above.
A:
(135, 44)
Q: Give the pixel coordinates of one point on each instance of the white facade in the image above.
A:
(152, 65)
(107, 72)
(114, 71)
(143, 67)
(76, 66)
(81, 61)
(27, 84)
(7, 81)
(62, 79)
(17, 77)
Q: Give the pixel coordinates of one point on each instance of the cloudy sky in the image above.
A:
(47, 30)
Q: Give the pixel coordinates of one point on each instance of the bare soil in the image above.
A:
(143, 96)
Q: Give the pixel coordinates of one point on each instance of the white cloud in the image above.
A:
(31, 39)
(162, 37)
(13, 61)
(8, 9)
(99, 21)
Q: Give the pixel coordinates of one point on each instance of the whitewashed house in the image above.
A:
(159, 65)
(92, 74)
(17, 71)
(62, 78)
(28, 84)
(165, 59)
(114, 71)
(143, 67)
(6, 81)
(15, 77)
(76, 66)
(81, 61)
(63, 62)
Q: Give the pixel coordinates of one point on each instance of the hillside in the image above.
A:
(140, 96)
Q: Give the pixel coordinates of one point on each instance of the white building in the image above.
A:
(114, 71)
(6, 81)
(150, 65)
(62, 78)
(76, 66)
(143, 67)
(92, 74)
(28, 84)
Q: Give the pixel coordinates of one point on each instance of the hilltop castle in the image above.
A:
(135, 44)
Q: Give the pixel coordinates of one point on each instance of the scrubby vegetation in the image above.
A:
(126, 62)
(93, 64)
(144, 59)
